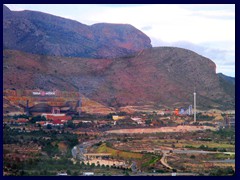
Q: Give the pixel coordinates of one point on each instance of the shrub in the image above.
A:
(192, 157)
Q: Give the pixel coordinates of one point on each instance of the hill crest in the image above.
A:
(41, 33)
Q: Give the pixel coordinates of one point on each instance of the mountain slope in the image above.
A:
(42, 33)
(228, 79)
(227, 83)
(157, 76)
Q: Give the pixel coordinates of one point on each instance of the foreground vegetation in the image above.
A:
(55, 153)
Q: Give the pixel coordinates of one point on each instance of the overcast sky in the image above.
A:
(207, 29)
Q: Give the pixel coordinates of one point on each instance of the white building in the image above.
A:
(88, 173)
(62, 174)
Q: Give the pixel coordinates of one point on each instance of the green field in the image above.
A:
(103, 148)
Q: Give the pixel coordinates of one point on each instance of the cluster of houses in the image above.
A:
(227, 122)
(54, 119)
(57, 119)
(138, 120)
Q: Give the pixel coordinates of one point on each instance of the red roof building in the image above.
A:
(55, 122)
(21, 120)
(54, 117)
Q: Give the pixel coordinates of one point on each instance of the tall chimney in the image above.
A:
(194, 99)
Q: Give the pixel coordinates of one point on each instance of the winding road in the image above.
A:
(164, 161)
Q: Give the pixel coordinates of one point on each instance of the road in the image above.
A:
(164, 161)
(154, 174)
(164, 174)
(177, 151)
(186, 151)
(78, 151)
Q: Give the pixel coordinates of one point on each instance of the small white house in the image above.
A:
(62, 174)
(88, 173)
(160, 113)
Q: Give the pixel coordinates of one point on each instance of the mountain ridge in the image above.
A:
(42, 33)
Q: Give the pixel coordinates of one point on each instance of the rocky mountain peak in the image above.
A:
(41, 33)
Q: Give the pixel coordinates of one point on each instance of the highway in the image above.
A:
(78, 151)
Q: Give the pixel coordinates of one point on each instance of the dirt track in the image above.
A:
(161, 129)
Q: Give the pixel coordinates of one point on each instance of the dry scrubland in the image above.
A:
(161, 129)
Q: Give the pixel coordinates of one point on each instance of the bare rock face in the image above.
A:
(158, 76)
(128, 39)
(42, 33)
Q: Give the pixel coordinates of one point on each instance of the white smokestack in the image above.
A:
(194, 99)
